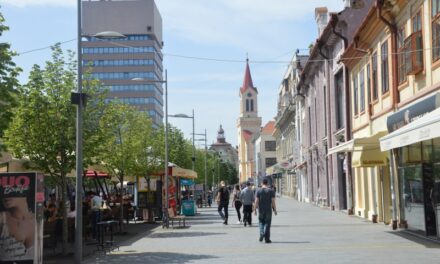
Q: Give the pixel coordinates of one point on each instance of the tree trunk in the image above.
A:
(121, 204)
(64, 213)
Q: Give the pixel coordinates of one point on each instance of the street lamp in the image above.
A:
(206, 153)
(193, 159)
(79, 98)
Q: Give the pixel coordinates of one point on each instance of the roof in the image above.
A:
(247, 80)
(269, 128)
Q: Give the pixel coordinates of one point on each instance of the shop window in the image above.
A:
(427, 151)
(404, 158)
(436, 149)
(414, 46)
(415, 153)
(435, 16)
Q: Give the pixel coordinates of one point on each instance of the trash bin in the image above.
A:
(188, 207)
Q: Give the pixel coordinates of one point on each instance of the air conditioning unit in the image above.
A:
(355, 4)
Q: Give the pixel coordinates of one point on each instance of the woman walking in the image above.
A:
(237, 202)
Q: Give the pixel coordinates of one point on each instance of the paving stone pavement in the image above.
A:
(301, 233)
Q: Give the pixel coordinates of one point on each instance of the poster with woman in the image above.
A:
(17, 217)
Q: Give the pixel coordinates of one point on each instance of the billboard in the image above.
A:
(21, 227)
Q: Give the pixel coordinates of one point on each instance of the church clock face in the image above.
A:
(249, 95)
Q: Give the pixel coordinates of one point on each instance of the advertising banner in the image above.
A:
(21, 199)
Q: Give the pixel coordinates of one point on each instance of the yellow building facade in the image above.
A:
(394, 65)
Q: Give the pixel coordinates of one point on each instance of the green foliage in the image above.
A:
(43, 128)
(8, 81)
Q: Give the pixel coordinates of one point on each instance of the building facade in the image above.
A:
(322, 93)
(128, 66)
(248, 127)
(265, 151)
(286, 130)
(225, 150)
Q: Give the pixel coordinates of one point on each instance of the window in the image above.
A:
(401, 51)
(355, 95)
(384, 69)
(270, 162)
(325, 111)
(414, 46)
(270, 145)
(247, 105)
(362, 90)
(252, 105)
(339, 79)
(435, 15)
(374, 76)
(368, 84)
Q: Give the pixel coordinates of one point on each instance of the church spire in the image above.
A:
(247, 81)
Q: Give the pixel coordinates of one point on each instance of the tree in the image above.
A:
(8, 82)
(43, 127)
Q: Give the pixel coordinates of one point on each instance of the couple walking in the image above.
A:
(244, 197)
(264, 202)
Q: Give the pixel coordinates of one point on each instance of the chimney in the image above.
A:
(321, 17)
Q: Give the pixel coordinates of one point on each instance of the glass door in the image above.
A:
(429, 201)
(436, 195)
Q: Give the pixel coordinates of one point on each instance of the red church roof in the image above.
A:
(247, 135)
(247, 81)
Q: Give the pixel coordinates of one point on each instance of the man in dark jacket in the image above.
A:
(223, 202)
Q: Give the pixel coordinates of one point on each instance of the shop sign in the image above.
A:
(413, 112)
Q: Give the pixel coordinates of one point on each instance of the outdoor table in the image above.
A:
(101, 229)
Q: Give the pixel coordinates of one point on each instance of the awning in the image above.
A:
(358, 144)
(424, 128)
(368, 158)
(347, 146)
(184, 173)
(366, 151)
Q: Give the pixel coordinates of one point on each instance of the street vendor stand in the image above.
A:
(177, 177)
(186, 184)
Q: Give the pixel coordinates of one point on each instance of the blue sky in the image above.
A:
(218, 29)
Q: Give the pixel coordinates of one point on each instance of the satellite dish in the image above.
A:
(355, 4)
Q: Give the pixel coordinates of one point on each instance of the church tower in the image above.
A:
(248, 126)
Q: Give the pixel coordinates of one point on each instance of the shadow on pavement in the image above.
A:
(148, 257)
(417, 238)
(290, 242)
(183, 234)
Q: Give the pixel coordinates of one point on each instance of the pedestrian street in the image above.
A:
(301, 233)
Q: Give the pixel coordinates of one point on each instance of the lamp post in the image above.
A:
(193, 159)
(79, 98)
(78, 150)
(206, 165)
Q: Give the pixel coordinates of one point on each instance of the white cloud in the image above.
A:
(26, 3)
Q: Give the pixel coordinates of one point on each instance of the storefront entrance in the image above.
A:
(420, 189)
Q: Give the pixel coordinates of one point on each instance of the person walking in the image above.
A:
(247, 197)
(265, 203)
(222, 199)
(236, 202)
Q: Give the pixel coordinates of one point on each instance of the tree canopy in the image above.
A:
(8, 81)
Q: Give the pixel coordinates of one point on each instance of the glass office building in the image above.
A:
(126, 66)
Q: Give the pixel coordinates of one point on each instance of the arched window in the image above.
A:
(247, 105)
(252, 105)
